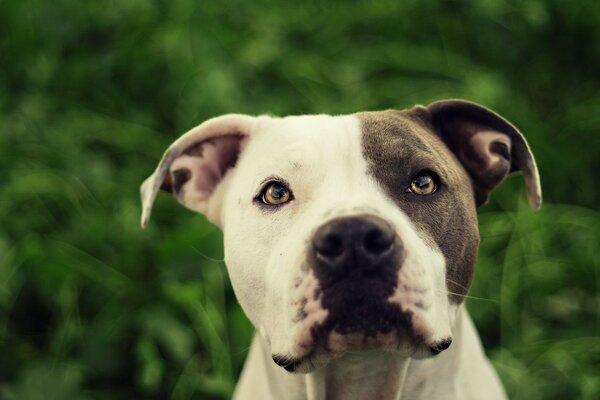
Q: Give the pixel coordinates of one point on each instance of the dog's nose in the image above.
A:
(355, 245)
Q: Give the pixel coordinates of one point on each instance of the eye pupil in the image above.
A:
(422, 181)
(275, 193)
(423, 184)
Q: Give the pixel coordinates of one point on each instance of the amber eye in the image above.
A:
(424, 184)
(275, 193)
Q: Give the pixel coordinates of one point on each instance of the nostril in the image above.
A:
(378, 241)
(330, 245)
(354, 246)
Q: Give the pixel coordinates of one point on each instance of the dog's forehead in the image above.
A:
(390, 146)
(395, 131)
(295, 144)
(322, 129)
(396, 141)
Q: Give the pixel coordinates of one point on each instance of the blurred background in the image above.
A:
(91, 93)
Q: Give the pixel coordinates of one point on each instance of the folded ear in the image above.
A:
(194, 165)
(488, 146)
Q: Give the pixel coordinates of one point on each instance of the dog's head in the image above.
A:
(347, 232)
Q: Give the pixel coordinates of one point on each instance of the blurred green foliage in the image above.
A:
(92, 307)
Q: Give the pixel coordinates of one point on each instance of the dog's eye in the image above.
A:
(424, 184)
(275, 193)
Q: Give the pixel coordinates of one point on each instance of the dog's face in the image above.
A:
(348, 232)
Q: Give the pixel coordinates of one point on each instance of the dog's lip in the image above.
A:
(317, 359)
(438, 347)
(321, 352)
(288, 363)
(365, 321)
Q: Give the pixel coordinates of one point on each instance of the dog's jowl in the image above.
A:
(351, 243)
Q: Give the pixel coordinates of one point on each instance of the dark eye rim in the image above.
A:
(436, 180)
(259, 199)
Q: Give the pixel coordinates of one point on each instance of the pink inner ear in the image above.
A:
(198, 171)
(483, 143)
(487, 145)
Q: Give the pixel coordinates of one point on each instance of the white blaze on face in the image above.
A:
(321, 159)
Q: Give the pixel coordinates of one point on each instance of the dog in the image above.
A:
(351, 243)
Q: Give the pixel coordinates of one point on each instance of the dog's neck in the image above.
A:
(365, 375)
(371, 374)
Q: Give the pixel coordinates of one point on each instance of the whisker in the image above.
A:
(242, 350)
(208, 257)
(456, 283)
(469, 297)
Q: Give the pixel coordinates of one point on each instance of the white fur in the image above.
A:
(265, 252)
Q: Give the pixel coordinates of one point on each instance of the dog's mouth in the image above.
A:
(358, 321)
(360, 313)
(333, 344)
(361, 306)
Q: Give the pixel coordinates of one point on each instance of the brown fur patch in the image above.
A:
(397, 146)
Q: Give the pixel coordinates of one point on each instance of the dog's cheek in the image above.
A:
(454, 230)
(258, 263)
(245, 257)
(248, 284)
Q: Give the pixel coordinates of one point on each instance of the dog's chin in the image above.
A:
(349, 318)
(332, 344)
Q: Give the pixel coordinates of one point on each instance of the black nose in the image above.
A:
(355, 245)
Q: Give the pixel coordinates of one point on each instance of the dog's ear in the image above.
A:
(488, 146)
(193, 166)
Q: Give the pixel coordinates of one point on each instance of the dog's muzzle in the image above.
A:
(356, 260)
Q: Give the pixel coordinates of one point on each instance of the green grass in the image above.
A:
(92, 307)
